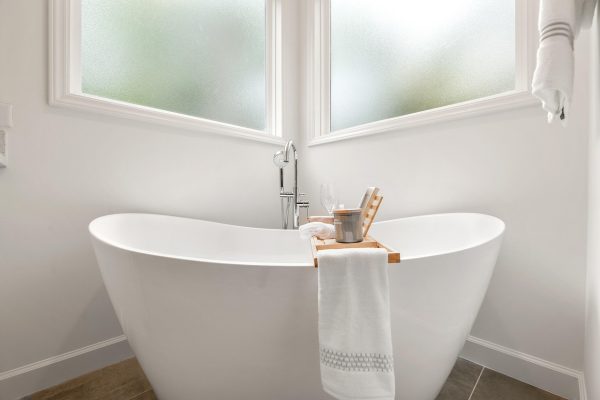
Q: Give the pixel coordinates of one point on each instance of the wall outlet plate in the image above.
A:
(2, 149)
(6, 120)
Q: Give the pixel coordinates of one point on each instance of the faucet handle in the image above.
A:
(303, 204)
(301, 201)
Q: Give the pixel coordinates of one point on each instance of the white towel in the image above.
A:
(318, 229)
(355, 339)
(553, 76)
(559, 24)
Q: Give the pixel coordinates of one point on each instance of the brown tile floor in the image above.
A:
(126, 381)
(461, 381)
(122, 381)
(495, 386)
(469, 381)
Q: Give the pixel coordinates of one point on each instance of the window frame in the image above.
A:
(318, 81)
(65, 79)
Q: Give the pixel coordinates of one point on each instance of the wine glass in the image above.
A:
(328, 197)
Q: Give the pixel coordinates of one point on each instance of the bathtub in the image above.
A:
(215, 311)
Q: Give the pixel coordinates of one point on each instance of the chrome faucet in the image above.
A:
(291, 199)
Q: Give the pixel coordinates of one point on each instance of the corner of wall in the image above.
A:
(592, 329)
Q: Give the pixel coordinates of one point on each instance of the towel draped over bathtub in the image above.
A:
(355, 339)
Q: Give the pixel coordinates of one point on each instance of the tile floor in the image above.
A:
(122, 381)
(126, 381)
(469, 381)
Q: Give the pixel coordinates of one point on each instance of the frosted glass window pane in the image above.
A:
(395, 57)
(204, 58)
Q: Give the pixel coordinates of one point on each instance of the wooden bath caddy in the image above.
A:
(370, 205)
(368, 242)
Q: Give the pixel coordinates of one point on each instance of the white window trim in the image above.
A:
(65, 79)
(318, 80)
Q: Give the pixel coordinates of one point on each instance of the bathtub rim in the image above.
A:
(499, 232)
(146, 252)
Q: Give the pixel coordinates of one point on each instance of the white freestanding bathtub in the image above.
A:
(215, 311)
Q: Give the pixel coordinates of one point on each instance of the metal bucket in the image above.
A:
(348, 225)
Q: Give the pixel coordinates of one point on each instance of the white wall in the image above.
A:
(68, 167)
(592, 340)
(509, 164)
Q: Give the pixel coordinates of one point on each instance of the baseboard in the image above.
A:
(582, 387)
(562, 381)
(31, 378)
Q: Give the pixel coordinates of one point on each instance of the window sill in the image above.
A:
(147, 114)
(468, 109)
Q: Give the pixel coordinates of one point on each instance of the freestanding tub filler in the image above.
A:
(222, 312)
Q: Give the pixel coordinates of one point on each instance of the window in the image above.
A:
(218, 66)
(201, 58)
(391, 58)
(379, 66)
(203, 64)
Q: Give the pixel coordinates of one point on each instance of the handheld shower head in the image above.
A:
(279, 159)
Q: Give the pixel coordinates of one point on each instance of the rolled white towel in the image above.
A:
(318, 229)
(559, 24)
(553, 77)
(554, 11)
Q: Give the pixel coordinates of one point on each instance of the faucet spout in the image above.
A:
(286, 151)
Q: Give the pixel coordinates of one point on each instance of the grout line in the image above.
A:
(476, 383)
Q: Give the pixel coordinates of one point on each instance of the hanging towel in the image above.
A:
(553, 76)
(559, 24)
(355, 339)
(318, 229)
